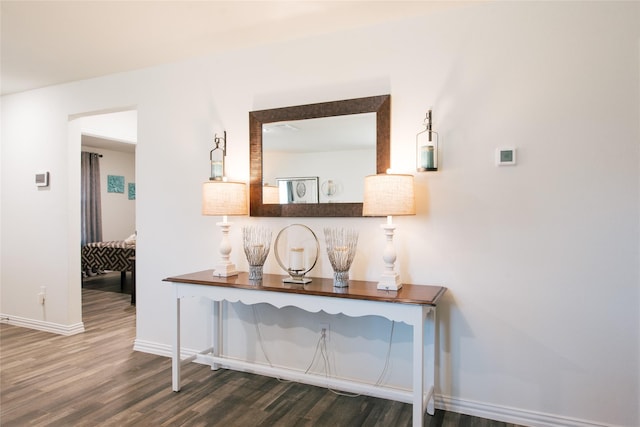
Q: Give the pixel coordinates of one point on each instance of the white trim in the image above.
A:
(41, 325)
(511, 415)
(158, 349)
(152, 347)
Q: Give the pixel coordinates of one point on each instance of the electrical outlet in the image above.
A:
(324, 329)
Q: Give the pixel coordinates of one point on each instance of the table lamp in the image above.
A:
(270, 195)
(224, 198)
(388, 195)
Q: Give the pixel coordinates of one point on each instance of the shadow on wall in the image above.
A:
(462, 356)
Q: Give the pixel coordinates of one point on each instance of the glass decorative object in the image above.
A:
(341, 249)
(296, 248)
(330, 188)
(257, 243)
(216, 157)
(427, 147)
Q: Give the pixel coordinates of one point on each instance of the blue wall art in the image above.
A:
(115, 184)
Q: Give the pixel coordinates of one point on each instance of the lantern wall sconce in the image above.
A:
(217, 156)
(427, 147)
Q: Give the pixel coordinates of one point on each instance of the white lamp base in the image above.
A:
(225, 270)
(390, 282)
(390, 279)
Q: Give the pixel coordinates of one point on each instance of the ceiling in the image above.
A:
(50, 42)
(107, 143)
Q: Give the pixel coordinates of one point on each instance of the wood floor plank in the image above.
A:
(96, 379)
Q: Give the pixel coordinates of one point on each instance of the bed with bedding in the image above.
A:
(116, 255)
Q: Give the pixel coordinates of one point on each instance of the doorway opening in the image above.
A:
(107, 257)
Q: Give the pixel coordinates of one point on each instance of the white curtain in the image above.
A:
(91, 206)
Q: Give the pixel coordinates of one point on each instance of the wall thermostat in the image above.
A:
(505, 156)
(42, 179)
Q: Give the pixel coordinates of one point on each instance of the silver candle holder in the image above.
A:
(341, 249)
(296, 249)
(256, 242)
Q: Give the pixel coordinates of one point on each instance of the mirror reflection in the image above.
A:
(319, 160)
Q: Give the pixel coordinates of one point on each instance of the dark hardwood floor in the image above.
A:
(109, 282)
(96, 379)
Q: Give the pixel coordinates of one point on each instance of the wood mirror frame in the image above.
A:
(381, 105)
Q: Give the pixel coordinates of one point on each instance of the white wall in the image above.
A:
(540, 324)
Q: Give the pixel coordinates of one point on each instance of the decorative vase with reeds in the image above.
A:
(341, 249)
(257, 242)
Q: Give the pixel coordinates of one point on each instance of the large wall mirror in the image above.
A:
(311, 160)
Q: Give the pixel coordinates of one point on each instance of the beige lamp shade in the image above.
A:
(224, 198)
(270, 195)
(389, 195)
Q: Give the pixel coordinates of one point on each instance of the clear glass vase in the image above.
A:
(256, 242)
(341, 249)
(341, 279)
(255, 272)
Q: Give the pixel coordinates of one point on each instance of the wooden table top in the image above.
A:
(357, 289)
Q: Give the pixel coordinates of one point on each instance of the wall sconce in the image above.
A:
(427, 147)
(216, 156)
(388, 195)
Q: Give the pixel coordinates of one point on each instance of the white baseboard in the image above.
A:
(160, 349)
(152, 348)
(41, 325)
(510, 415)
(461, 406)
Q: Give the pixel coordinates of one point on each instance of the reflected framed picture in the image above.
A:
(298, 190)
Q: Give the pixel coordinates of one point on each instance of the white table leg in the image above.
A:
(431, 362)
(418, 367)
(175, 357)
(216, 331)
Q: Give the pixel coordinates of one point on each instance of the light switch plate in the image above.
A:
(505, 156)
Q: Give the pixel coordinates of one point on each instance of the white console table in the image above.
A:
(414, 305)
